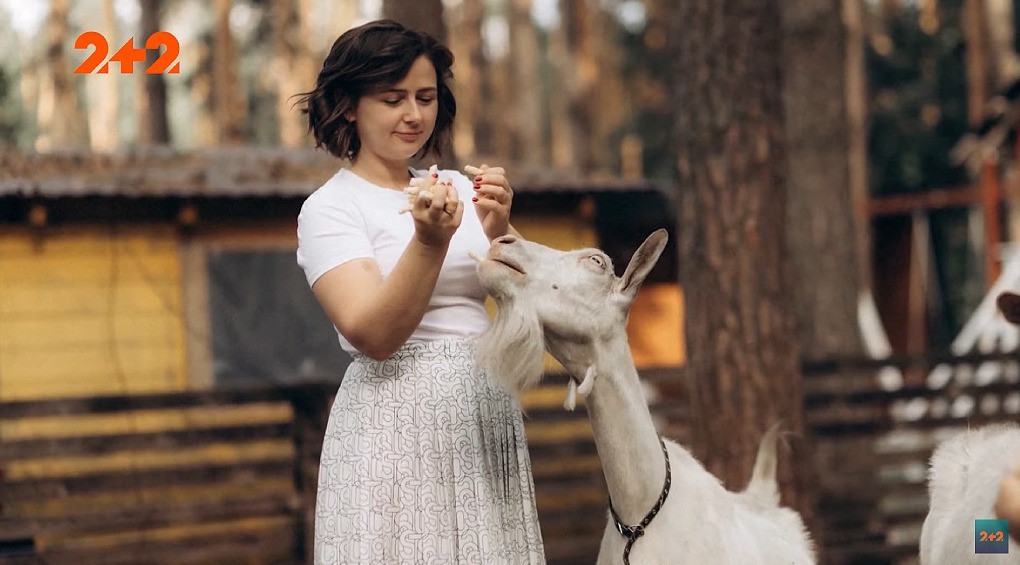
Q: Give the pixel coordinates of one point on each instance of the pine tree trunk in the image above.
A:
(498, 135)
(293, 68)
(976, 63)
(610, 106)
(61, 124)
(523, 95)
(204, 131)
(743, 369)
(857, 126)
(598, 100)
(421, 15)
(103, 93)
(820, 222)
(226, 85)
(1001, 41)
(468, 70)
(564, 127)
(153, 126)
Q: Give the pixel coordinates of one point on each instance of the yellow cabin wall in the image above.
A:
(96, 310)
(87, 311)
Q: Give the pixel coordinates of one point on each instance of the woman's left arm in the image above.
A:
(493, 199)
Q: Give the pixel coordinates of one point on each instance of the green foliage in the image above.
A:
(918, 106)
(918, 103)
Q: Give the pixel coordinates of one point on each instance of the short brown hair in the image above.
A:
(366, 59)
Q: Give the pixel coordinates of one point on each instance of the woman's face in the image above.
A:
(394, 123)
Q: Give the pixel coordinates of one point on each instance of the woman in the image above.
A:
(424, 459)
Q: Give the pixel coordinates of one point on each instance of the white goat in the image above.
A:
(970, 480)
(965, 474)
(573, 305)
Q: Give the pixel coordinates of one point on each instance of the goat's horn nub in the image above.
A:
(474, 256)
(571, 401)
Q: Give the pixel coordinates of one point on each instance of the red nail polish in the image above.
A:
(477, 187)
(478, 179)
(474, 199)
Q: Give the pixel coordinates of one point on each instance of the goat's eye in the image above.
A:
(598, 261)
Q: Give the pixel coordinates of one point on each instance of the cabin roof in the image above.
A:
(236, 172)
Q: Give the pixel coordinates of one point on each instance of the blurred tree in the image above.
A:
(647, 67)
(17, 86)
(918, 89)
(1001, 41)
(743, 367)
(61, 121)
(150, 103)
(200, 85)
(821, 226)
(293, 67)
(469, 67)
(226, 91)
(497, 134)
(564, 129)
(10, 110)
(103, 93)
(422, 15)
(599, 105)
(976, 65)
(521, 96)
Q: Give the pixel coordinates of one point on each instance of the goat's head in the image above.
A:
(556, 300)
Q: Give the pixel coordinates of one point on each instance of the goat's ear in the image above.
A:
(1009, 304)
(641, 264)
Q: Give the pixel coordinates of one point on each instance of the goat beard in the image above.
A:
(511, 348)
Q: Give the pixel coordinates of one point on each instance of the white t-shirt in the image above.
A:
(350, 218)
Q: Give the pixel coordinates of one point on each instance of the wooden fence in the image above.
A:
(229, 476)
(211, 477)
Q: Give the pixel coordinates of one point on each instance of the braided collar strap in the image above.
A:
(632, 533)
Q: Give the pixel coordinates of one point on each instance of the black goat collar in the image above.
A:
(632, 533)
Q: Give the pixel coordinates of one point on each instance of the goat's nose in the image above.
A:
(506, 239)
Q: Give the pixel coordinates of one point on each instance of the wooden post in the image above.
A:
(311, 405)
(991, 196)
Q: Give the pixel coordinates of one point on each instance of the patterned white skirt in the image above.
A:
(425, 461)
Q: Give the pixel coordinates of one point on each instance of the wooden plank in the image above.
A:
(931, 199)
(869, 427)
(119, 481)
(126, 402)
(580, 549)
(167, 514)
(880, 399)
(143, 421)
(571, 466)
(264, 545)
(212, 453)
(158, 441)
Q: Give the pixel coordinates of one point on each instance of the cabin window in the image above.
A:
(265, 324)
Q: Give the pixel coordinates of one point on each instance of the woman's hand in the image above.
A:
(437, 211)
(493, 197)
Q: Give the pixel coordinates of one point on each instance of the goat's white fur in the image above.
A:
(964, 478)
(574, 306)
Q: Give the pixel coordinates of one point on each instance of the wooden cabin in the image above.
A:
(160, 270)
(156, 335)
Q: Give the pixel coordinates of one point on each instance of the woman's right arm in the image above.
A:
(376, 314)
